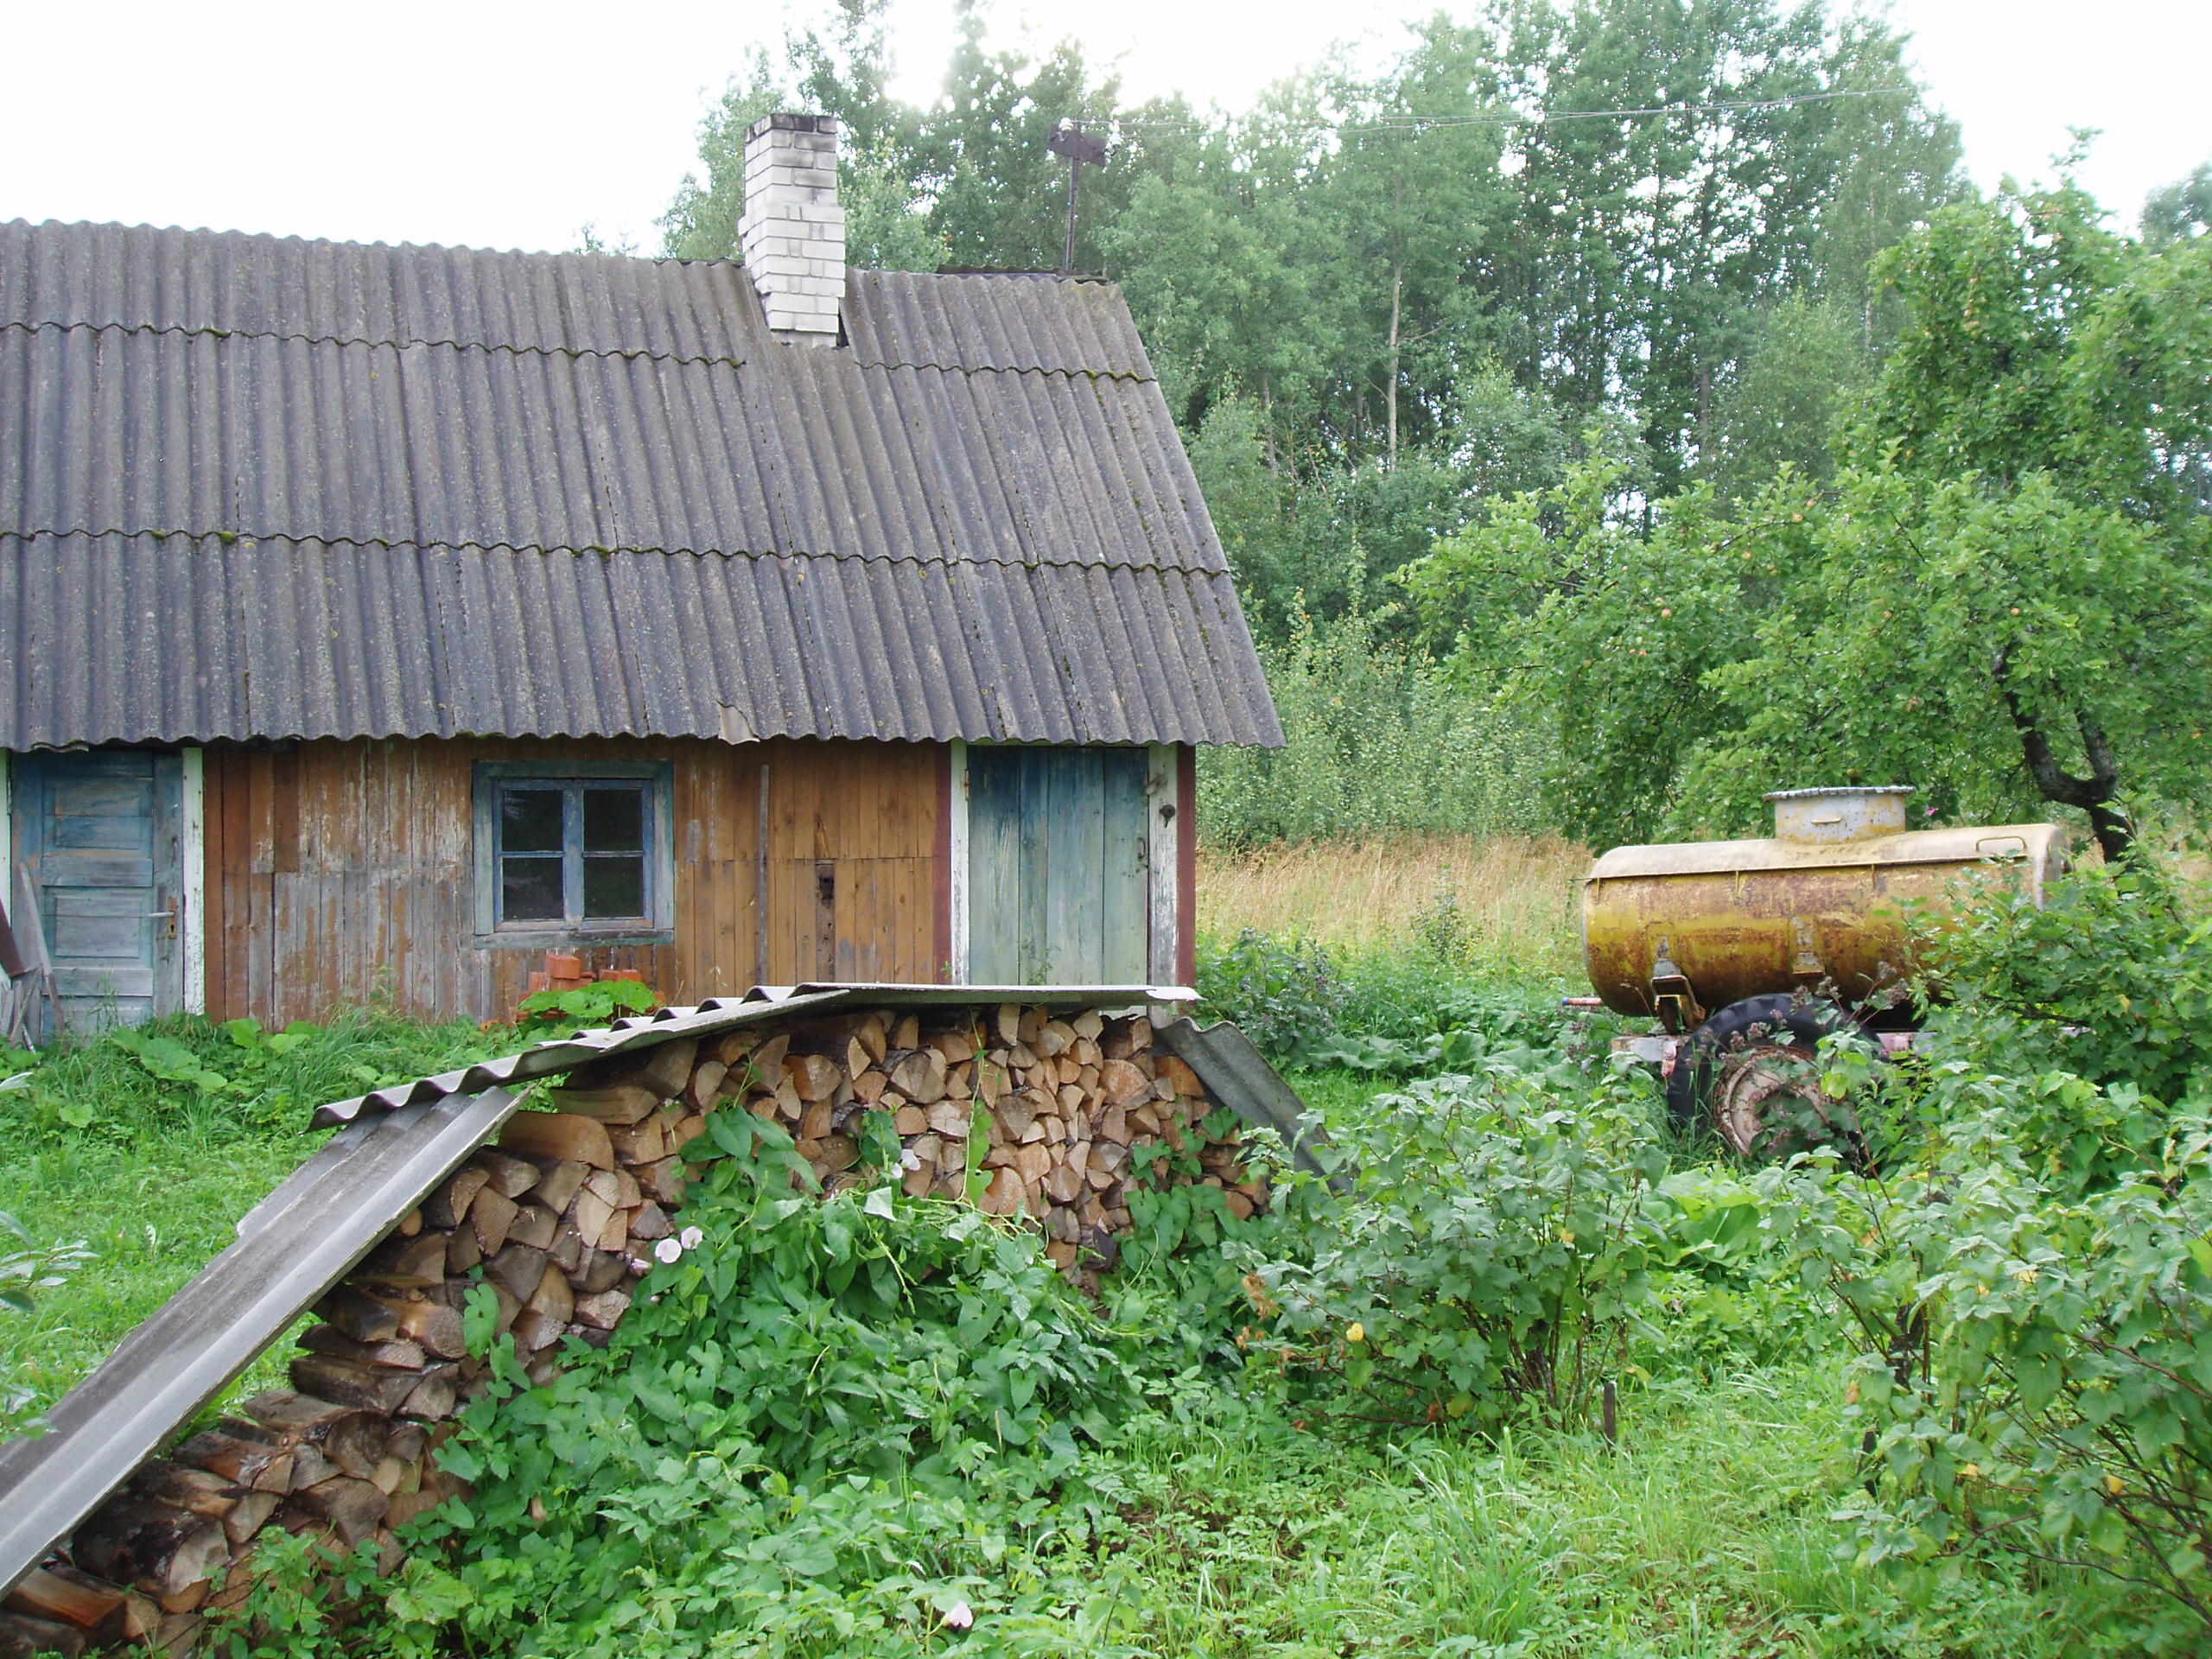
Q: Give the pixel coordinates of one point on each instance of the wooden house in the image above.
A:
(374, 619)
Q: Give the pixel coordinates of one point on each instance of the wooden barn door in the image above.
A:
(97, 833)
(1059, 885)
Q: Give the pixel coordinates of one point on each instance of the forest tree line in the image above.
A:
(1477, 378)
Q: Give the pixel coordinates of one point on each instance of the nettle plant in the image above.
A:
(1491, 1264)
(857, 1423)
(2035, 1369)
(597, 1002)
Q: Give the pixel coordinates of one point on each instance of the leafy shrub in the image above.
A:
(1395, 1012)
(1283, 993)
(1722, 1295)
(1488, 1268)
(856, 1424)
(1376, 739)
(2107, 978)
(2034, 1367)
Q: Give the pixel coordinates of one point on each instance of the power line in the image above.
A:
(1419, 123)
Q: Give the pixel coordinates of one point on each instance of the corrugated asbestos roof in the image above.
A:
(169, 639)
(426, 491)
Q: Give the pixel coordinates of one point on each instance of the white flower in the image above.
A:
(668, 1249)
(959, 1615)
(692, 1238)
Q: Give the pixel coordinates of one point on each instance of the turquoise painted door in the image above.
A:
(1059, 885)
(98, 833)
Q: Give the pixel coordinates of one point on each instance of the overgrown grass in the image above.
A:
(155, 1173)
(1704, 1531)
(1508, 905)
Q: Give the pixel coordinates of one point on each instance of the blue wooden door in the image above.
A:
(98, 833)
(1059, 885)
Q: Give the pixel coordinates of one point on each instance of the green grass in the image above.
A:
(156, 1210)
(1704, 1533)
(157, 1175)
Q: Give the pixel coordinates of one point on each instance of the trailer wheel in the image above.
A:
(1778, 1020)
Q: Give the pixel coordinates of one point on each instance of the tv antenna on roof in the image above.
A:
(1069, 140)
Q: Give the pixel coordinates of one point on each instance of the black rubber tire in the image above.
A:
(1775, 1018)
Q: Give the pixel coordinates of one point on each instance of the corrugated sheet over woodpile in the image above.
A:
(267, 488)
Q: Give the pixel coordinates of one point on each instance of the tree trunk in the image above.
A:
(2096, 795)
(1397, 295)
(1397, 289)
(1268, 426)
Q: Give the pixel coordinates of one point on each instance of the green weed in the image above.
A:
(151, 1144)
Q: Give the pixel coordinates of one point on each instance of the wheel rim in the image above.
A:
(1768, 1102)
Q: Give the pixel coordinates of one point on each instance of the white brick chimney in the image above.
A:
(792, 235)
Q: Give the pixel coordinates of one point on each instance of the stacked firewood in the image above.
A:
(1061, 1102)
(560, 1219)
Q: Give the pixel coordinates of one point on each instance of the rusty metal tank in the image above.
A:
(1681, 931)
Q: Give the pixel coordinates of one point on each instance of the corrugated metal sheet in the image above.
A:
(180, 639)
(424, 491)
(327, 1215)
(719, 1013)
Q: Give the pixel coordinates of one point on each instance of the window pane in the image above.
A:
(614, 820)
(530, 820)
(530, 888)
(614, 886)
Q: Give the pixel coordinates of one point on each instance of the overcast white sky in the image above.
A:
(498, 124)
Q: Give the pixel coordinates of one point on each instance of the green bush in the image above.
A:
(1492, 1258)
(2034, 1369)
(2107, 978)
(851, 1424)
(1283, 993)
(1397, 1012)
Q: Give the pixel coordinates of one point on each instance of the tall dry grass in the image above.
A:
(1515, 898)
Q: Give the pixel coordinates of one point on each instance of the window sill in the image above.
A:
(571, 939)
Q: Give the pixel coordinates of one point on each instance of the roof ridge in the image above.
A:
(232, 538)
(511, 349)
(627, 355)
(474, 249)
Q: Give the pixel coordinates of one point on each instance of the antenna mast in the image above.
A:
(1069, 140)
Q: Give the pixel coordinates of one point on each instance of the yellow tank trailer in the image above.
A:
(1746, 951)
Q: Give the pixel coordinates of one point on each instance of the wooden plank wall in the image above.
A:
(341, 873)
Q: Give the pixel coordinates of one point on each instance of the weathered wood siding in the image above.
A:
(343, 873)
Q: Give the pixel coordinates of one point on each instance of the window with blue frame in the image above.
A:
(573, 852)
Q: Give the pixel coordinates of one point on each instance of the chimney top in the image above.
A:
(792, 236)
(785, 121)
